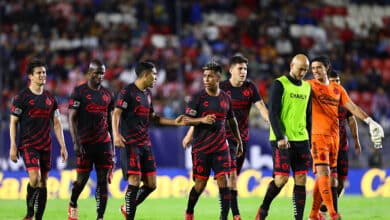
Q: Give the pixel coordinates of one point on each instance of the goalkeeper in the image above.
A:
(326, 98)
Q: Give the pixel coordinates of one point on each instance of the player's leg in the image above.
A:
(200, 173)
(233, 180)
(149, 175)
(281, 174)
(83, 168)
(131, 166)
(103, 161)
(149, 185)
(45, 166)
(30, 158)
(300, 162)
(324, 157)
(220, 163)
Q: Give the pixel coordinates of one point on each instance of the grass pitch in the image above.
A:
(351, 208)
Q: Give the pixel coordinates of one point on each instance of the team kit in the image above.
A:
(307, 120)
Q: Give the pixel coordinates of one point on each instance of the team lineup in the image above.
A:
(307, 121)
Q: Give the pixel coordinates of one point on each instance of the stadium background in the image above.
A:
(181, 36)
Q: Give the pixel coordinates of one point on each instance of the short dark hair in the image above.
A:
(96, 64)
(142, 66)
(323, 59)
(334, 73)
(213, 66)
(238, 59)
(34, 63)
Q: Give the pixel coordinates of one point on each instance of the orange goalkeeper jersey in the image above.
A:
(326, 100)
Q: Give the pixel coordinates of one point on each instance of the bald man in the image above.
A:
(290, 119)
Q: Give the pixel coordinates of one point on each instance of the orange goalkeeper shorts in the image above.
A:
(324, 150)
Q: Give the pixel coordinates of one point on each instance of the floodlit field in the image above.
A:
(351, 208)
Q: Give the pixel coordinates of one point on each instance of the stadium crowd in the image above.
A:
(182, 36)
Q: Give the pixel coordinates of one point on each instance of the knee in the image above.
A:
(199, 186)
(280, 181)
(300, 179)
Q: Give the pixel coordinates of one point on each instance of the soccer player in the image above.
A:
(326, 99)
(208, 111)
(35, 109)
(90, 108)
(134, 110)
(342, 159)
(243, 93)
(290, 117)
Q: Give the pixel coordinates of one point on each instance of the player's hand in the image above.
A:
(358, 148)
(119, 140)
(240, 150)
(376, 132)
(209, 119)
(283, 143)
(64, 154)
(186, 141)
(13, 154)
(110, 172)
(180, 120)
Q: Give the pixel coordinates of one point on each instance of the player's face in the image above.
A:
(239, 72)
(335, 79)
(151, 78)
(210, 79)
(38, 77)
(97, 75)
(319, 71)
(299, 69)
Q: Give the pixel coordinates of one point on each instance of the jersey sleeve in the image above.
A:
(256, 95)
(55, 108)
(122, 100)
(192, 106)
(344, 97)
(17, 107)
(75, 100)
(230, 113)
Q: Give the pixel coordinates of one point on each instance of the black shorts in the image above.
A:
(99, 154)
(137, 160)
(236, 163)
(297, 157)
(202, 163)
(36, 159)
(342, 162)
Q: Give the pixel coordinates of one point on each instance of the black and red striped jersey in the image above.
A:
(343, 116)
(137, 107)
(210, 138)
(242, 99)
(35, 113)
(93, 108)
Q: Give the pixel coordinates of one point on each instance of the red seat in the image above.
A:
(377, 63)
(365, 65)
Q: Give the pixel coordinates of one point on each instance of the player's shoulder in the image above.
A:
(225, 84)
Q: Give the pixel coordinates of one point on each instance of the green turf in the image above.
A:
(351, 208)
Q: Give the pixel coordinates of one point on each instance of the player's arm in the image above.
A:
(167, 121)
(275, 107)
(57, 126)
(119, 140)
(208, 119)
(309, 119)
(353, 126)
(188, 137)
(263, 110)
(73, 115)
(376, 130)
(236, 133)
(13, 151)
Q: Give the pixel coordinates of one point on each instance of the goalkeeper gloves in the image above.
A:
(376, 132)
